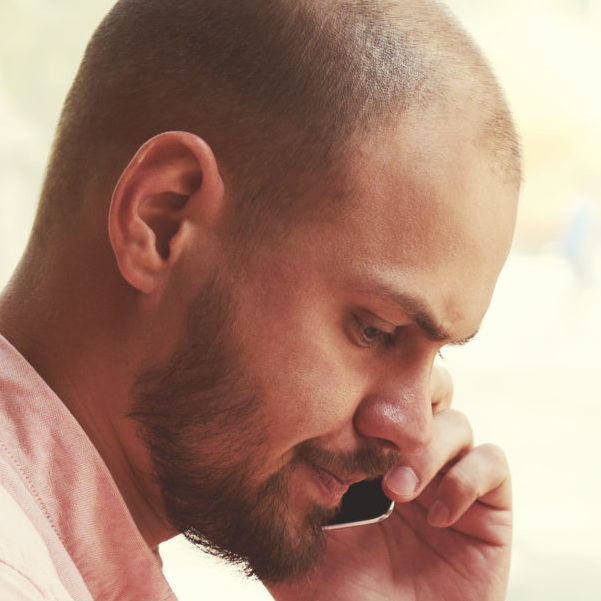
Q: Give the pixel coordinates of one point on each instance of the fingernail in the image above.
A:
(438, 514)
(402, 481)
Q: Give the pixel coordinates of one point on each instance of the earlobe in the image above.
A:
(171, 184)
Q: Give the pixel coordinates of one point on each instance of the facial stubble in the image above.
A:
(201, 421)
(201, 418)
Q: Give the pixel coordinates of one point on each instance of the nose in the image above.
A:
(397, 409)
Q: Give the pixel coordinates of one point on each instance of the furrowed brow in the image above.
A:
(417, 310)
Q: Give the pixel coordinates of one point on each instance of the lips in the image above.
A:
(333, 485)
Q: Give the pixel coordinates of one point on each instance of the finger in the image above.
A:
(452, 438)
(441, 387)
(482, 475)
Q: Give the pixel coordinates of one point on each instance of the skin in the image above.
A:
(340, 361)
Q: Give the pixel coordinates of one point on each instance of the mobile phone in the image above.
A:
(363, 503)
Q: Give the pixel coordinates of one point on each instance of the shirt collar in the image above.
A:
(74, 488)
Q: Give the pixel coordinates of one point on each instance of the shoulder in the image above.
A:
(27, 572)
(17, 586)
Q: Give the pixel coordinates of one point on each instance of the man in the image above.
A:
(261, 222)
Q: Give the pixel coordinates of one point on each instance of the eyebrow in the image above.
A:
(416, 309)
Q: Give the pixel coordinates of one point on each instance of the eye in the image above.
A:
(371, 333)
(368, 334)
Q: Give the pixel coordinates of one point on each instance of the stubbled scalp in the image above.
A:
(275, 87)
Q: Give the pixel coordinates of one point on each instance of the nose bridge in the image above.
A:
(397, 409)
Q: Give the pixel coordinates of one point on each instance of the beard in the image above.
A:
(200, 416)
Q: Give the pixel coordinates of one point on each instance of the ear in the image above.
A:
(171, 184)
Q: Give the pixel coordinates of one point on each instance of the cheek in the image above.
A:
(319, 389)
(296, 353)
(308, 388)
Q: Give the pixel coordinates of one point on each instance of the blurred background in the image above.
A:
(530, 379)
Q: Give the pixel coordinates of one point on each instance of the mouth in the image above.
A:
(333, 486)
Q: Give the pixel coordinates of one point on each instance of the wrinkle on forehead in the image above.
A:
(427, 211)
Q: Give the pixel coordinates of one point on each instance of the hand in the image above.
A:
(449, 538)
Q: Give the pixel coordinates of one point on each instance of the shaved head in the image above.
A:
(261, 221)
(277, 88)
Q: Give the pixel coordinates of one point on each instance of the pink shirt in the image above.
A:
(65, 531)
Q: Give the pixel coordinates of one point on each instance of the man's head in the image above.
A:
(316, 353)
(280, 90)
(308, 200)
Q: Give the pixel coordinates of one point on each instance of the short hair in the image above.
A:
(275, 87)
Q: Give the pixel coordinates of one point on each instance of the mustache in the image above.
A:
(369, 460)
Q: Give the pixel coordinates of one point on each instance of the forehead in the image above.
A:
(424, 213)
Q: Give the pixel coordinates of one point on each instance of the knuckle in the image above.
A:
(494, 454)
(448, 384)
(459, 483)
(462, 424)
(442, 385)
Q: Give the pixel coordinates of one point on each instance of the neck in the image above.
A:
(81, 346)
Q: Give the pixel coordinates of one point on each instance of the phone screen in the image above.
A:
(363, 503)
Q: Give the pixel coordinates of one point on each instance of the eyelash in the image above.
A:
(381, 337)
